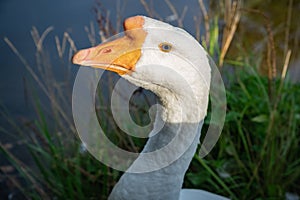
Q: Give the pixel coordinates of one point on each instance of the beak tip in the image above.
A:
(74, 59)
(79, 57)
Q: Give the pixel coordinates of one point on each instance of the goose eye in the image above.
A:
(165, 47)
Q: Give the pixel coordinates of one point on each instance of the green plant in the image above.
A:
(257, 156)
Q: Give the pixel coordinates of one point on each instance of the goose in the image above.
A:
(169, 62)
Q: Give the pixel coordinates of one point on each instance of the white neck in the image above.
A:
(164, 183)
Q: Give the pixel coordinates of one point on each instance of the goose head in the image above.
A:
(159, 57)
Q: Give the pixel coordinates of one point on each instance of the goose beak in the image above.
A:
(119, 55)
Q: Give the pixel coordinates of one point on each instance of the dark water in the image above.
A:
(17, 18)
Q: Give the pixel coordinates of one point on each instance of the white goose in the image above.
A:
(169, 62)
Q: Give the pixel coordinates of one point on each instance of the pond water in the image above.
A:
(16, 19)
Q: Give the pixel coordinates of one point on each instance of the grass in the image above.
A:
(257, 156)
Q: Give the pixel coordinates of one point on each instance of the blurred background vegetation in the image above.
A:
(256, 47)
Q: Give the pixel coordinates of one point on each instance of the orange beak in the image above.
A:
(119, 55)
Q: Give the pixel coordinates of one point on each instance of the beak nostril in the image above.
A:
(107, 50)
